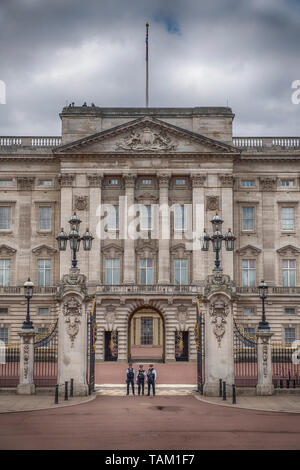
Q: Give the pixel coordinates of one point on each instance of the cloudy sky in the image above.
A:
(201, 53)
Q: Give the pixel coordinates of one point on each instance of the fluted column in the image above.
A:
(198, 272)
(95, 271)
(129, 251)
(164, 231)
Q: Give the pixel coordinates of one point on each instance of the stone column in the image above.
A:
(66, 194)
(129, 251)
(264, 363)
(72, 332)
(95, 272)
(164, 236)
(219, 360)
(26, 385)
(198, 273)
(227, 216)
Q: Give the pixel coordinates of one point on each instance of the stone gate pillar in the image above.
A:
(72, 332)
(264, 363)
(26, 384)
(218, 305)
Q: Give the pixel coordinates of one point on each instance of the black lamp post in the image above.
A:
(217, 238)
(74, 238)
(263, 293)
(28, 292)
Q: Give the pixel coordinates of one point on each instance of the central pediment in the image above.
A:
(146, 135)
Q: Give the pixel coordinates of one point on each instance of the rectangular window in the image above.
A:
(146, 181)
(146, 331)
(146, 271)
(180, 217)
(180, 271)
(4, 272)
(249, 311)
(5, 218)
(45, 183)
(146, 217)
(289, 336)
(43, 310)
(44, 272)
(290, 311)
(287, 183)
(4, 335)
(5, 182)
(287, 218)
(45, 218)
(247, 183)
(180, 182)
(3, 311)
(112, 217)
(248, 218)
(112, 267)
(248, 272)
(289, 272)
(113, 181)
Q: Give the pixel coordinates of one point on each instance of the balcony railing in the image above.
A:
(30, 141)
(278, 290)
(271, 142)
(149, 289)
(19, 290)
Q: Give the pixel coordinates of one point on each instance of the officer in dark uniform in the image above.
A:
(151, 379)
(140, 379)
(130, 378)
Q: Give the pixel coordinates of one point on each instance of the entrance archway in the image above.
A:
(146, 336)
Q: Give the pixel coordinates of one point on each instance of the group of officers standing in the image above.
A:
(140, 377)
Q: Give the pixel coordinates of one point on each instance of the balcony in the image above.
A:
(275, 290)
(267, 142)
(36, 142)
(19, 290)
(166, 289)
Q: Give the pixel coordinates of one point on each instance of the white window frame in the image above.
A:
(42, 269)
(8, 218)
(248, 270)
(48, 227)
(5, 268)
(181, 217)
(182, 270)
(288, 228)
(244, 219)
(114, 269)
(289, 270)
(149, 271)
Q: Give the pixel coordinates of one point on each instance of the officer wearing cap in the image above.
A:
(130, 378)
(140, 379)
(151, 379)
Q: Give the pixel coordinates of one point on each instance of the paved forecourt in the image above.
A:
(161, 422)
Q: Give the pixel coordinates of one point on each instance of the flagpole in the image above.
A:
(147, 70)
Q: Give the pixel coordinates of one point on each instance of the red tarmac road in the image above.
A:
(181, 422)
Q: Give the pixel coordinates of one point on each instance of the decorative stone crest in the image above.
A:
(218, 311)
(80, 203)
(268, 183)
(198, 180)
(226, 181)
(110, 316)
(212, 203)
(146, 140)
(72, 310)
(182, 316)
(25, 183)
(72, 281)
(218, 282)
(66, 179)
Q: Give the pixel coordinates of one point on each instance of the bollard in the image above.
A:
(288, 383)
(233, 394)
(71, 387)
(224, 390)
(66, 390)
(294, 383)
(56, 395)
(220, 388)
(281, 383)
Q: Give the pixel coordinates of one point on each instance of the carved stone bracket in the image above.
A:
(129, 180)
(226, 181)
(163, 180)
(25, 183)
(66, 179)
(198, 180)
(95, 181)
(218, 311)
(268, 183)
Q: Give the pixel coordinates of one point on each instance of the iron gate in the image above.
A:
(200, 346)
(245, 357)
(182, 346)
(92, 338)
(46, 358)
(9, 365)
(285, 365)
(111, 345)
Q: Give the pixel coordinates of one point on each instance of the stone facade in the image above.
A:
(164, 156)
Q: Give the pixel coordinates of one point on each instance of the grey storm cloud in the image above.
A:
(244, 53)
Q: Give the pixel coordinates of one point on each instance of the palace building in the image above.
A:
(124, 167)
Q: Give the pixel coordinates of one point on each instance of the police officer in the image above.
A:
(151, 379)
(130, 378)
(140, 379)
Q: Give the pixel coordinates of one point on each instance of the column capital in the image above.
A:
(163, 180)
(95, 181)
(129, 180)
(66, 179)
(226, 181)
(198, 180)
